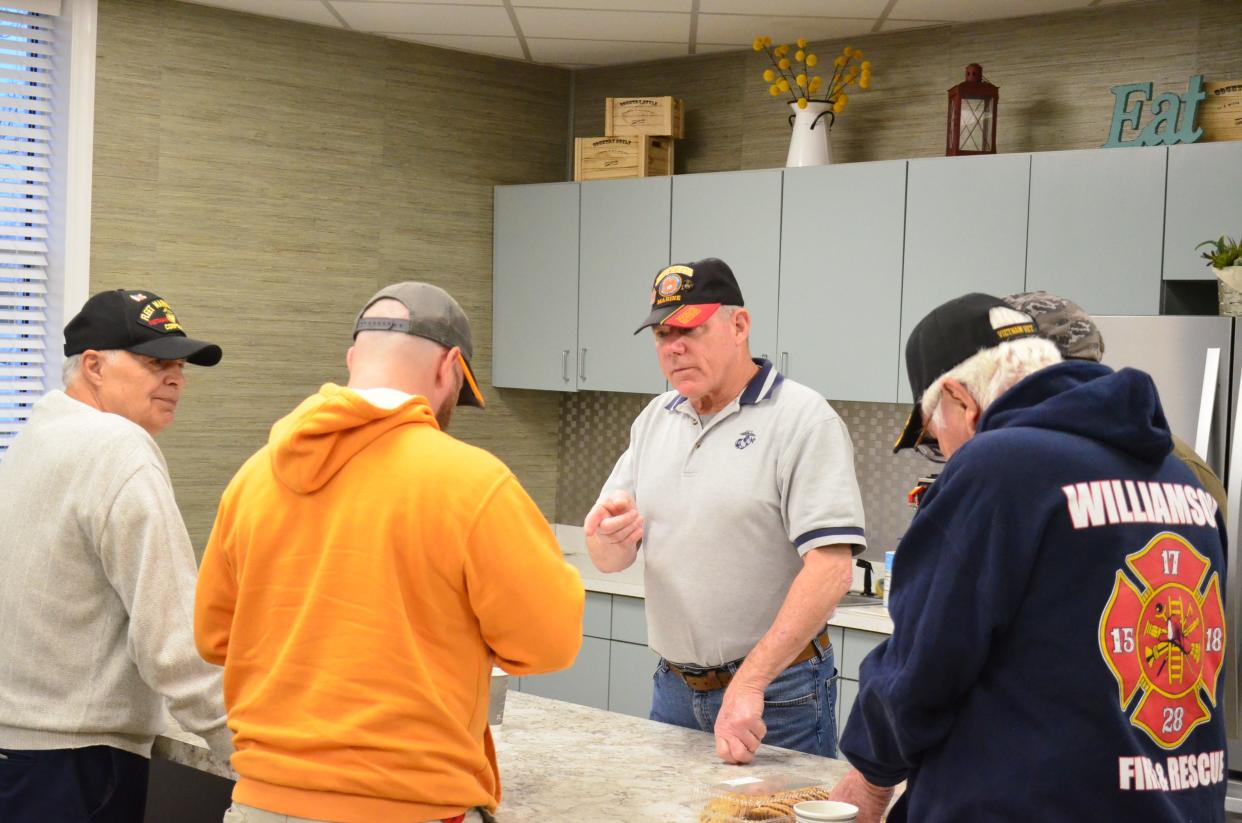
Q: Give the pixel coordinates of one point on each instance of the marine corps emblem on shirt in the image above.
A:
(1165, 638)
(745, 440)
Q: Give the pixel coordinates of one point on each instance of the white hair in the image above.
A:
(72, 367)
(990, 373)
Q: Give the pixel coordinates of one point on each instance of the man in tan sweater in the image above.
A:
(97, 575)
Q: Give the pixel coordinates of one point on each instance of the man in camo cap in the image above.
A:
(1068, 325)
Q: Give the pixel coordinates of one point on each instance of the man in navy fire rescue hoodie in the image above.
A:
(1058, 613)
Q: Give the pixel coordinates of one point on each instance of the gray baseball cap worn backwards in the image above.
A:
(434, 315)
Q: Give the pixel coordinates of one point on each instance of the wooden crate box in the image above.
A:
(1220, 113)
(658, 116)
(606, 158)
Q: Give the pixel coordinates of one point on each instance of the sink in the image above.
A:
(854, 599)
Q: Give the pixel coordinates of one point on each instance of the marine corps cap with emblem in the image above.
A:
(135, 321)
(688, 294)
(948, 336)
(435, 316)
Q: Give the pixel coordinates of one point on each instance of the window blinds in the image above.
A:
(26, 165)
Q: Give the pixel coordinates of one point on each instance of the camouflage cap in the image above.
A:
(1062, 321)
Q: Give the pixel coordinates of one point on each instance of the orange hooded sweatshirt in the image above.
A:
(364, 571)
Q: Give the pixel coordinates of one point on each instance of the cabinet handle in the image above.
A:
(784, 369)
(565, 365)
(582, 366)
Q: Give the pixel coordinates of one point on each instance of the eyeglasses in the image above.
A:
(927, 446)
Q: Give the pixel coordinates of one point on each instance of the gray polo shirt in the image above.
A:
(730, 508)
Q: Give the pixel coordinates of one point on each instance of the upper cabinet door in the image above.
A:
(1096, 228)
(840, 290)
(965, 232)
(735, 216)
(1204, 202)
(625, 242)
(535, 287)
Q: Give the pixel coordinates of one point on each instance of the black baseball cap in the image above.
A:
(435, 316)
(136, 321)
(951, 334)
(688, 294)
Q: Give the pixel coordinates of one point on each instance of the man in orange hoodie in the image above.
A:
(364, 572)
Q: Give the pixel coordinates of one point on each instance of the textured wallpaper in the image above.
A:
(266, 177)
(595, 429)
(1054, 73)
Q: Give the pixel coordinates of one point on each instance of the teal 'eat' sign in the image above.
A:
(1171, 122)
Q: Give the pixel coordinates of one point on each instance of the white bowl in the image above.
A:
(825, 811)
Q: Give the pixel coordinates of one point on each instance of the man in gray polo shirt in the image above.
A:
(739, 487)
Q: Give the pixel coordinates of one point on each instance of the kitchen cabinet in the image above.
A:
(535, 287)
(597, 615)
(849, 693)
(966, 220)
(842, 234)
(839, 262)
(1096, 228)
(630, 669)
(584, 683)
(855, 646)
(613, 670)
(624, 242)
(1203, 201)
(629, 619)
(735, 216)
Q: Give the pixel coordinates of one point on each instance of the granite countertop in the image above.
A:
(561, 761)
(630, 584)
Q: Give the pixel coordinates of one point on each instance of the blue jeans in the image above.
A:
(799, 706)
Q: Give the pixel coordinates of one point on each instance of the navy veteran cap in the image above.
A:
(435, 316)
(688, 294)
(950, 335)
(135, 321)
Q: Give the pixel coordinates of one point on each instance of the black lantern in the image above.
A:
(972, 115)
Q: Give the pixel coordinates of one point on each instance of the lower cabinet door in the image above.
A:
(585, 683)
(848, 690)
(629, 678)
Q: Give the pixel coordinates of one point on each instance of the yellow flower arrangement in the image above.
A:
(795, 78)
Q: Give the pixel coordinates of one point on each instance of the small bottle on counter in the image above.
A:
(888, 575)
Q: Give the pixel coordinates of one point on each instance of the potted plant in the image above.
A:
(1224, 255)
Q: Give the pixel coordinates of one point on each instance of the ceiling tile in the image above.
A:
(508, 47)
(600, 52)
(966, 10)
(425, 18)
(613, 5)
(741, 29)
(619, 25)
(796, 8)
(304, 11)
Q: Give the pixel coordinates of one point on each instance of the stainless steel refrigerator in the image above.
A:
(1197, 365)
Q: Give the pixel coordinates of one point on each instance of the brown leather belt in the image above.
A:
(708, 680)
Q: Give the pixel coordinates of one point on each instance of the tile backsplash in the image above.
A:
(595, 429)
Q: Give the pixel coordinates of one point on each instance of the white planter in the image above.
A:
(1229, 290)
(809, 144)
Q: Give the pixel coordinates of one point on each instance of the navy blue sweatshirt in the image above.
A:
(1058, 621)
